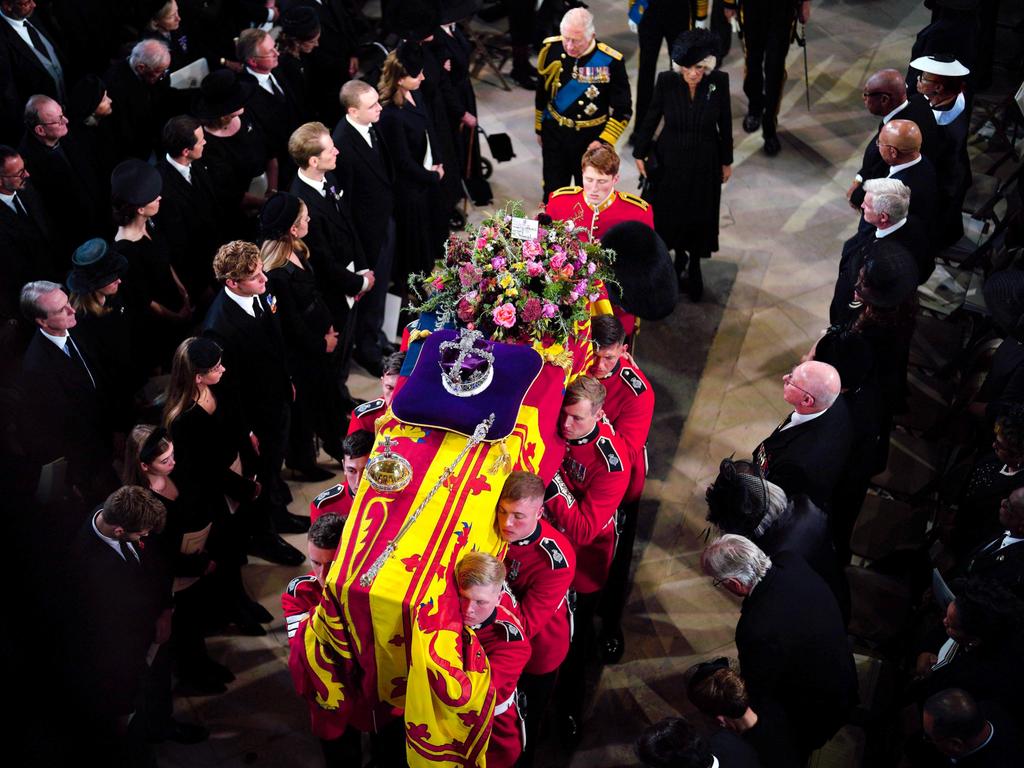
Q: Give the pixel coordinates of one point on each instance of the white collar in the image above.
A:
(947, 116)
(880, 233)
(894, 169)
(801, 418)
(184, 170)
(9, 200)
(364, 130)
(114, 544)
(60, 341)
(1009, 472)
(895, 112)
(264, 79)
(245, 302)
(319, 186)
(16, 23)
(1008, 540)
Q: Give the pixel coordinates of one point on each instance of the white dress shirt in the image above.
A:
(245, 302)
(801, 418)
(184, 170)
(894, 169)
(364, 130)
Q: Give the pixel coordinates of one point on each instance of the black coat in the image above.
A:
(419, 215)
(140, 110)
(810, 457)
(793, 649)
(276, 116)
(340, 30)
(732, 750)
(333, 245)
(21, 76)
(804, 529)
(115, 608)
(1005, 565)
(31, 251)
(694, 144)
(305, 317)
(255, 360)
(191, 220)
(66, 181)
(1004, 384)
(369, 178)
(955, 180)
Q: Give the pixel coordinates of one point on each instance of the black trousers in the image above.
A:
(663, 20)
(275, 496)
(562, 152)
(767, 30)
(571, 688)
(616, 589)
(538, 690)
(368, 336)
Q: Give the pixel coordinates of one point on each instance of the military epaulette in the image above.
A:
(552, 39)
(293, 585)
(610, 51)
(556, 488)
(326, 495)
(512, 632)
(565, 191)
(611, 456)
(558, 560)
(633, 380)
(368, 407)
(639, 202)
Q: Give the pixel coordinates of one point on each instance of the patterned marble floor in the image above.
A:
(716, 368)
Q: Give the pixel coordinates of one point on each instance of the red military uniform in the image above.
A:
(366, 415)
(504, 640)
(569, 203)
(337, 499)
(587, 490)
(541, 569)
(629, 407)
(298, 601)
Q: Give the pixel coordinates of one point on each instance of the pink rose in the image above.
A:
(466, 308)
(550, 310)
(504, 315)
(532, 249)
(591, 268)
(558, 260)
(481, 243)
(581, 287)
(534, 268)
(498, 263)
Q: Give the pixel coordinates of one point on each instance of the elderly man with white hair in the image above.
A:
(582, 101)
(889, 233)
(790, 639)
(140, 87)
(808, 451)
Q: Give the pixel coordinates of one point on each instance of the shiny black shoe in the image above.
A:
(772, 145)
(274, 549)
(217, 671)
(612, 646)
(524, 79)
(286, 522)
(694, 279)
(374, 367)
(257, 612)
(181, 733)
(751, 122)
(312, 474)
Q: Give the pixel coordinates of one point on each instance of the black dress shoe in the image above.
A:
(694, 279)
(217, 671)
(524, 79)
(181, 733)
(286, 522)
(274, 549)
(772, 145)
(199, 685)
(373, 366)
(258, 612)
(751, 122)
(612, 646)
(312, 474)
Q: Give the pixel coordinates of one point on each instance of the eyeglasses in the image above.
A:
(873, 94)
(923, 79)
(788, 380)
(273, 52)
(59, 121)
(718, 582)
(22, 174)
(879, 144)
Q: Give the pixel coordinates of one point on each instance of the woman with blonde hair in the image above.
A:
(486, 610)
(309, 333)
(411, 136)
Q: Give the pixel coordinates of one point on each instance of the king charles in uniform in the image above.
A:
(583, 98)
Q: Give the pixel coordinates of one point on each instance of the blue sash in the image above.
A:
(637, 9)
(572, 90)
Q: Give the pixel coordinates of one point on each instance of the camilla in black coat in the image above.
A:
(687, 160)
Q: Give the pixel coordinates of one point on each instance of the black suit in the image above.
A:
(60, 415)
(140, 110)
(22, 74)
(906, 244)
(793, 649)
(924, 194)
(1004, 564)
(277, 117)
(932, 146)
(328, 62)
(191, 219)
(369, 176)
(810, 457)
(66, 181)
(257, 374)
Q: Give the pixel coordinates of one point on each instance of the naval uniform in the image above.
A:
(540, 570)
(503, 638)
(578, 100)
(337, 500)
(768, 27)
(365, 416)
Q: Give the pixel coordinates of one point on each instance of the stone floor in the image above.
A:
(716, 368)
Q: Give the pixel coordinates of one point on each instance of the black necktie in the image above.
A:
(37, 41)
(19, 207)
(72, 351)
(276, 88)
(257, 307)
(374, 143)
(128, 553)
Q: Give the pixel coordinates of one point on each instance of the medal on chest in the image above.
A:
(513, 570)
(575, 470)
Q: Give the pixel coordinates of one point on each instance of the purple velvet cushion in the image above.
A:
(424, 401)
